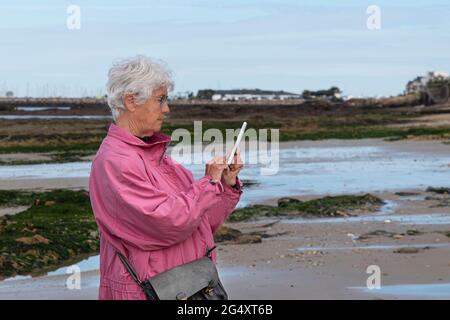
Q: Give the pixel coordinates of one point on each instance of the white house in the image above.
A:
(253, 94)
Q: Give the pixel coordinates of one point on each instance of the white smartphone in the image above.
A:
(236, 144)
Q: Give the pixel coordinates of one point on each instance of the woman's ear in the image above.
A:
(129, 102)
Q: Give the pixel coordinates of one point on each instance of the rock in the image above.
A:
(407, 250)
(248, 238)
(36, 239)
(33, 253)
(249, 183)
(28, 230)
(407, 194)
(270, 224)
(226, 234)
(50, 257)
(397, 236)
(92, 244)
(93, 234)
(413, 232)
(341, 213)
(284, 202)
(439, 190)
(379, 233)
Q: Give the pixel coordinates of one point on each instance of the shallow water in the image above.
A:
(93, 263)
(31, 108)
(46, 171)
(89, 264)
(372, 247)
(408, 219)
(427, 290)
(52, 117)
(306, 170)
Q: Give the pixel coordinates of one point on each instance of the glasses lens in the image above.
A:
(163, 101)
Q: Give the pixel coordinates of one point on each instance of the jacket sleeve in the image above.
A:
(143, 216)
(217, 213)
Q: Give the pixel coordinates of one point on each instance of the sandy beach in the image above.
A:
(323, 258)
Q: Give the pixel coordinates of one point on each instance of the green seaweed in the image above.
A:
(62, 217)
(323, 207)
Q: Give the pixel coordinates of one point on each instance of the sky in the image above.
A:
(289, 45)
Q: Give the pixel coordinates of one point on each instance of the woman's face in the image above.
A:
(149, 116)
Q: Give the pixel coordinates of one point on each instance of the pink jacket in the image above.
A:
(149, 208)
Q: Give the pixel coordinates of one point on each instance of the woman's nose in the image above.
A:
(166, 108)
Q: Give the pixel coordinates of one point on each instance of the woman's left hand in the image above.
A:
(232, 171)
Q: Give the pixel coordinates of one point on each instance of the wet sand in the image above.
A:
(325, 260)
(313, 259)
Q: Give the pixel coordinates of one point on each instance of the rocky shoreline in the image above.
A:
(44, 237)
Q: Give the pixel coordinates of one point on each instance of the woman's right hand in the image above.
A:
(215, 167)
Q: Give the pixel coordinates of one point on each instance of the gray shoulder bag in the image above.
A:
(196, 280)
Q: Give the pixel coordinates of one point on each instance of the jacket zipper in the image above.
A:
(162, 155)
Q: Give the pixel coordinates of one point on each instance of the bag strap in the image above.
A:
(129, 268)
(208, 251)
(146, 286)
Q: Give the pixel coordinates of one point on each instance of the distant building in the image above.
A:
(418, 84)
(247, 94)
(9, 94)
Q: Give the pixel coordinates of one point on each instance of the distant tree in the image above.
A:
(307, 94)
(205, 94)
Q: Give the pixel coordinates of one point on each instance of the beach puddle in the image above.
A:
(53, 117)
(46, 171)
(89, 264)
(403, 219)
(373, 247)
(427, 290)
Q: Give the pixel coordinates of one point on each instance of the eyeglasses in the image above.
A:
(162, 100)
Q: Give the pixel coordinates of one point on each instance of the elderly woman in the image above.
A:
(147, 206)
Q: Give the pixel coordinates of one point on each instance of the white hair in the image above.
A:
(139, 75)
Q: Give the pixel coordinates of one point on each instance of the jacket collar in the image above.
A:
(125, 136)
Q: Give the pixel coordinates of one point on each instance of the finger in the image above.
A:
(219, 160)
(238, 157)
